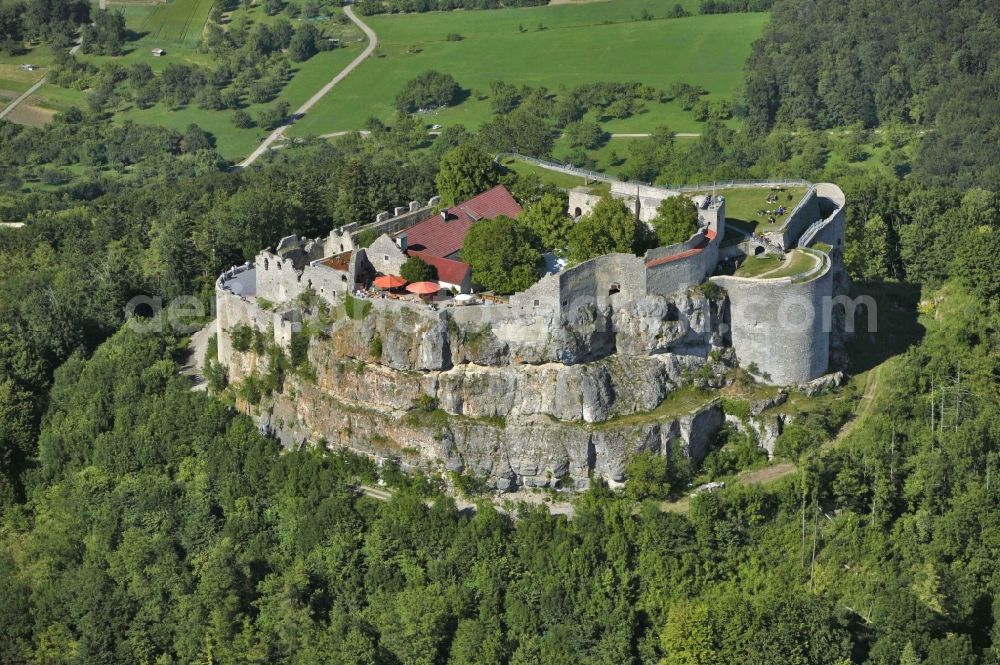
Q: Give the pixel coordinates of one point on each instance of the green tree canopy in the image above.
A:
(549, 220)
(504, 254)
(415, 269)
(428, 90)
(465, 172)
(609, 228)
(676, 220)
(585, 134)
(976, 262)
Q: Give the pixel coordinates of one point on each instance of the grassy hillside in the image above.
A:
(578, 44)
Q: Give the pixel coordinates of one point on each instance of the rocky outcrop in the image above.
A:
(523, 401)
(530, 451)
(655, 324)
(418, 338)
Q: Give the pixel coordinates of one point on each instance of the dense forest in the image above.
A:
(144, 522)
(826, 64)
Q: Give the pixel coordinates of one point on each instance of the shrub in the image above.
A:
(428, 90)
(242, 119)
(355, 308)
(415, 269)
(242, 337)
(676, 220)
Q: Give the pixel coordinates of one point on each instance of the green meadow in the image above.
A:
(176, 22)
(552, 46)
(172, 31)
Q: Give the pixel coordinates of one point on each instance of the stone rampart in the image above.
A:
(830, 228)
(778, 326)
(805, 212)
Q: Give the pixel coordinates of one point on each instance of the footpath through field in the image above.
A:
(302, 110)
(33, 89)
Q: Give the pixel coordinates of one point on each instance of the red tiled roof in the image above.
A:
(448, 270)
(708, 237)
(443, 236)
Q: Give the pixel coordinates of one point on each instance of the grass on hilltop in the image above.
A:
(795, 262)
(579, 44)
(757, 265)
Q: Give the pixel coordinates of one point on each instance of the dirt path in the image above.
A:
(32, 90)
(194, 365)
(864, 407)
(775, 472)
(278, 134)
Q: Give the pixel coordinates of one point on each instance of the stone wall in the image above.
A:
(799, 219)
(676, 275)
(403, 218)
(830, 228)
(581, 201)
(385, 256)
(235, 309)
(777, 324)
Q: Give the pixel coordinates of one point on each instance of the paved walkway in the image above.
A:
(278, 134)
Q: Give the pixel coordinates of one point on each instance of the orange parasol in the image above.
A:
(389, 282)
(424, 288)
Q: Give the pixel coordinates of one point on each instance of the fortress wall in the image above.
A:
(715, 219)
(397, 223)
(673, 276)
(648, 192)
(543, 293)
(799, 219)
(831, 231)
(582, 199)
(233, 310)
(578, 286)
(340, 240)
(624, 272)
(778, 325)
(327, 282)
(277, 278)
(676, 248)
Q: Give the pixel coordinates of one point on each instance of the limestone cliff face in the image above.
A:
(531, 451)
(533, 402)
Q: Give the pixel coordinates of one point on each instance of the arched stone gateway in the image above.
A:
(758, 250)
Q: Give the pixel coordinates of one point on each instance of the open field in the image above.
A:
(174, 22)
(579, 44)
(231, 141)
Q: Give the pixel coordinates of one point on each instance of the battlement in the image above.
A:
(336, 266)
